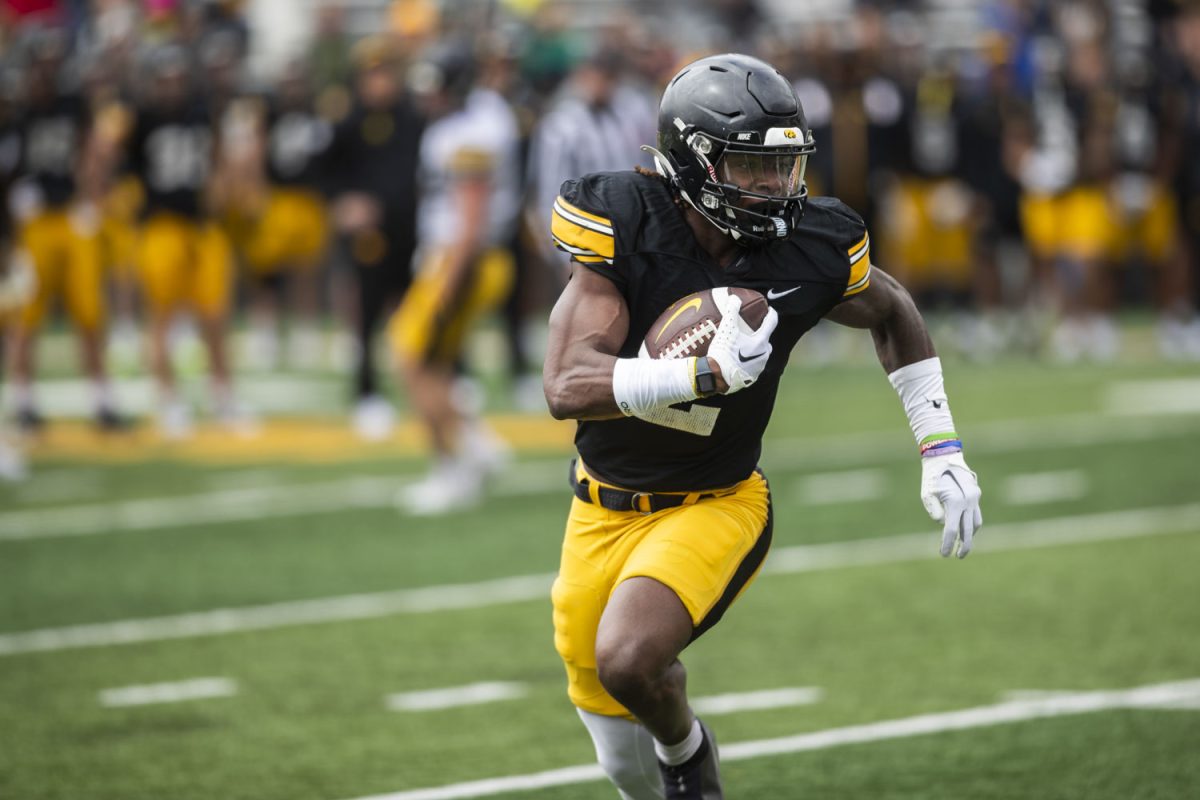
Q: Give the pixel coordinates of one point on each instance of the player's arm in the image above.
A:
(588, 324)
(584, 379)
(949, 489)
(887, 310)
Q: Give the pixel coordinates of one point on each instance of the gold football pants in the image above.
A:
(707, 551)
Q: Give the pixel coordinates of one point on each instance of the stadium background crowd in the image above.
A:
(1027, 168)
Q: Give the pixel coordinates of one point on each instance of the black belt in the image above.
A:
(626, 500)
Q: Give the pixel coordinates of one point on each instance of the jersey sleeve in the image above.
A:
(859, 254)
(582, 225)
(844, 232)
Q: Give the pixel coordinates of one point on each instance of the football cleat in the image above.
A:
(452, 485)
(374, 418)
(698, 778)
(107, 420)
(30, 420)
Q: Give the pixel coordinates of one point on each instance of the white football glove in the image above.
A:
(950, 492)
(740, 351)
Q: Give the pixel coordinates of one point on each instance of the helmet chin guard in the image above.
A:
(733, 141)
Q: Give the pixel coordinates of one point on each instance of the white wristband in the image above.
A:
(643, 384)
(923, 393)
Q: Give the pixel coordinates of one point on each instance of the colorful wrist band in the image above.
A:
(940, 444)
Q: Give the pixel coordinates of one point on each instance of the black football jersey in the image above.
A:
(296, 137)
(627, 227)
(52, 139)
(171, 151)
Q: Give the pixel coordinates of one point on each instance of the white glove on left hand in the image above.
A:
(950, 492)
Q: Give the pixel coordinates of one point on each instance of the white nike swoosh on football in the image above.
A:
(772, 294)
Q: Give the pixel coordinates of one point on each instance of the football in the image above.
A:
(687, 327)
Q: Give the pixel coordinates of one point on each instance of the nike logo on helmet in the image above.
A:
(774, 295)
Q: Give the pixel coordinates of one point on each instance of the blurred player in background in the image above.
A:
(372, 171)
(56, 203)
(470, 195)
(1185, 111)
(184, 259)
(285, 247)
(672, 518)
(17, 280)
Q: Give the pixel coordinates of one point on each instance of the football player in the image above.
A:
(55, 201)
(184, 259)
(672, 518)
(287, 242)
(469, 206)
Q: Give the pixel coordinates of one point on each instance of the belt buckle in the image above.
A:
(633, 503)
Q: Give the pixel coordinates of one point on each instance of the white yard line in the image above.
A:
(176, 692)
(790, 697)
(470, 695)
(1191, 703)
(1080, 529)
(829, 488)
(1166, 396)
(203, 510)
(1031, 488)
(982, 716)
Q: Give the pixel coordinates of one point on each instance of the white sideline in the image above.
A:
(1152, 696)
(1084, 528)
(176, 692)
(365, 492)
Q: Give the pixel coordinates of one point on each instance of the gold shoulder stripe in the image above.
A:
(861, 244)
(577, 236)
(859, 278)
(591, 259)
(579, 212)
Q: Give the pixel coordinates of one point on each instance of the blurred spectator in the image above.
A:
(470, 195)
(372, 164)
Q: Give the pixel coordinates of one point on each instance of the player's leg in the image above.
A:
(369, 255)
(625, 751)
(210, 294)
(163, 255)
(41, 239)
(84, 292)
(428, 336)
(620, 628)
(306, 269)
(261, 244)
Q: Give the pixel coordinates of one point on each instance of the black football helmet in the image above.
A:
(733, 141)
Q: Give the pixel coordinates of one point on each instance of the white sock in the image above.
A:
(676, 754)
(23, 396)
(102, 395)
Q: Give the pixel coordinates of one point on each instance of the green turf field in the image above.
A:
(299, 602)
